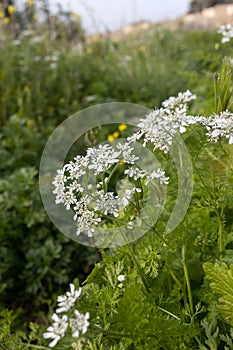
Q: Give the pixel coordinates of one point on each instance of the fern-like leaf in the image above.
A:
(221, 282)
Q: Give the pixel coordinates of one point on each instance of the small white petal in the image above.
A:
(55, 317)
(54, 342)
(47, 335)
(216, 133)
(121, 278)
(72, 288)
(75, 334)
(87, 315)
(182, 129)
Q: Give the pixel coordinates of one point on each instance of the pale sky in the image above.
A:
(99, 15)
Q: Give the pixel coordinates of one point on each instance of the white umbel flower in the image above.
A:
(160, 126)
(107, 203)
(86, 223)
(160, 175)
(101, 158)
(67, 301)
(79, 324)
(57, 330)
(220, 126)
(127, 197)
(126, 153)
(135, 173)
(181, 100)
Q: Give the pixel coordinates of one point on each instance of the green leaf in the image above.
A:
(6, 318)
(221, 283)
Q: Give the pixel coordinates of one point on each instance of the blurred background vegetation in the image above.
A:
(50, 69)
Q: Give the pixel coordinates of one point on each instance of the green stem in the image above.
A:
(35, 347)
(110, 176)
(169, 313)
(202, 181)
(216, 77)
(185, 292)
(136, 263)
(220, 234)
(198, 341)
(186, 274)
(137, 204)
(216, 158)
(138, 267)
(175, 279)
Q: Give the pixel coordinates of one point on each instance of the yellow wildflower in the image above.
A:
(30, 2)
(30, 123)
(11, 9)
(75, 15)
(122, 127)
(111, 138)
(95, 38)
(115, 134)
(1, 14)
(142, 48)
(6, 20)
(26, 89)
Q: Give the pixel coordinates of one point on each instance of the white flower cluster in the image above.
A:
(101, 158)
(227, 33)
(137, 173)
(160, 125)
(219, 126)
(67, 301)
(74, 179)
(79, 324)
(180, 101)
(57, 330)
(159, 128)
